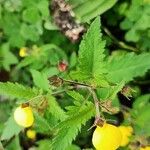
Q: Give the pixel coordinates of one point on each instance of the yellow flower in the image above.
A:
(24, 116)
(23, 52)
(126, 133)
(107, 137)
(31, 134)
(145, 148)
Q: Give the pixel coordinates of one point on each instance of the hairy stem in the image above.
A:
(96, 102)
(77, 83)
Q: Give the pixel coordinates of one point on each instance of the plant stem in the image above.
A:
(77, 83)
(32, 99)
(62, 91)
(120, 43)
(104, 107)
(96, 102)
(98, 120)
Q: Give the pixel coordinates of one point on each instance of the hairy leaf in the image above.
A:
(79, 103)
(77, 96)
(41, 124)
(10, 129)
(55, 109)
(110, 92)
(91, 54)
(91, 51)
(16, 90)
(69, 128)
(125, 68)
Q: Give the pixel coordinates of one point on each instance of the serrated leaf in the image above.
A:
(73, 147)
(110, 92)
(85, 10)
(99, 81)
(125, 68)
(115, 90)
(40, 80)
(91, 53)
(41, 124)
(16, 90)
(55, 109)
(91, 50)
(69, 128)
(77, 96)
(79, 103)
(8, 132)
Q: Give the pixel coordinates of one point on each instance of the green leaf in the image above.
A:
(43, 7)
(116, 89)
(29, 32)
(14, 144)
(8, 58)
(73, 147)
(55, 109)
(40, 80)
(43, 144)
(141, 101)
(26, 61)
(28, 3)
(125, 68)
(11, 21)
(110, 93)
(142, 120)
(91, 53)
(76, 96)
(17, 41)
(140, 113)
(73, 60)
(40, 124)
(16, 90)
(136, 24)
(49, 25)
(69, 128)
(31, 15)
(86, 10)
(79, 103)
(8, 132)
(55, 49)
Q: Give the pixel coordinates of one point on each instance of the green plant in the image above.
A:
(71, 91)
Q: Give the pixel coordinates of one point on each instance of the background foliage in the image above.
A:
(112, 56)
